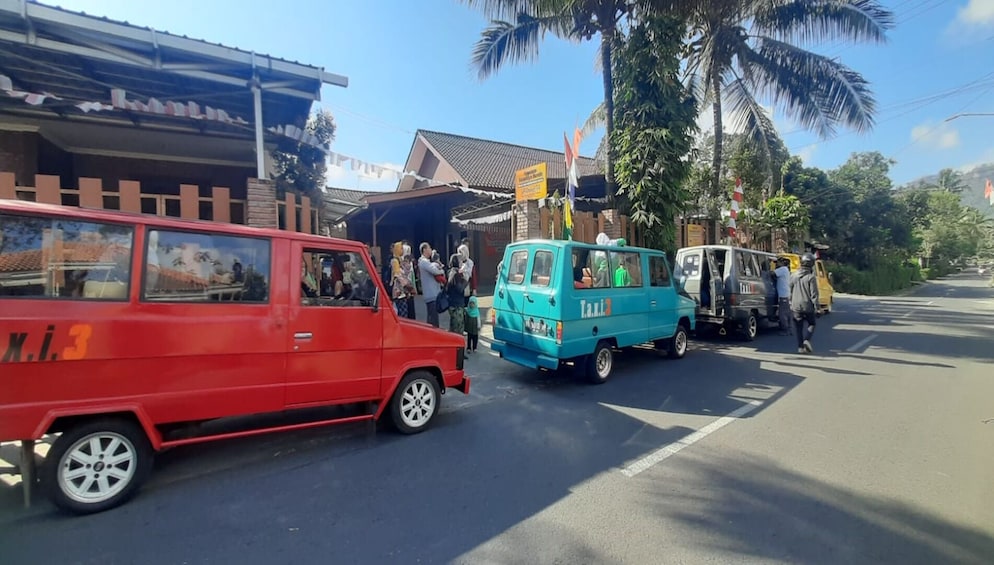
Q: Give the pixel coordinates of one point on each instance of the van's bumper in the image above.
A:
(457, 380)
(524, 357)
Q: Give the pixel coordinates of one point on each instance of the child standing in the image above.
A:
(472, 324)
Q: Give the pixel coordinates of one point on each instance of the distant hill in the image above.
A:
(972, 196)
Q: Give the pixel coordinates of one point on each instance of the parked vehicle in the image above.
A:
(126, 334)
(734, 287)
(826, 292)
(563, 302)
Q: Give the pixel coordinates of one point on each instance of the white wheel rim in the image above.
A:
(752, 326)
(680, 342)
(417, 403)
(604, 362)
(97, 467)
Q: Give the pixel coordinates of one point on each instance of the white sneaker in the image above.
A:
(807, 346)
(801, 350)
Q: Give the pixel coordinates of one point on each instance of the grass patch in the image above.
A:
(886, 278)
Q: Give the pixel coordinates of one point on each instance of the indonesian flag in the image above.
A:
(989, 192)
(572, 183)
(736, 203)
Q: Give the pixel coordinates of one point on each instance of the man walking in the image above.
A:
(430, 288)
(804, 302)
(782, 273)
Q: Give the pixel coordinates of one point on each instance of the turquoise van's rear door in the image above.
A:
(509, 297)
(540, 299)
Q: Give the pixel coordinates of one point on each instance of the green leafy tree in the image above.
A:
(831, 208)
(301, 167)
(880, 227)
(759, 167)
(656, 118)
(519, 26)
(744, 49)
(785, 217)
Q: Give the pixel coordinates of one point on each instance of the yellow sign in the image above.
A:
(695, 235)
(531, 183)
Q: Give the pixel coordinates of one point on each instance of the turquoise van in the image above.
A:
(565, 302)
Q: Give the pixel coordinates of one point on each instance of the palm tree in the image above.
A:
(949, 181)
(741, 49)
(518, 40)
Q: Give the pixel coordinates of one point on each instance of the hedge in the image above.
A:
(885, 278)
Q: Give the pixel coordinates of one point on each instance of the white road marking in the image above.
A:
(673, 448)
(908, 313)
(862, 343)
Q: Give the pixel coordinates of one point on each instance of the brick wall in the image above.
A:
(261, 204)
(527, 220)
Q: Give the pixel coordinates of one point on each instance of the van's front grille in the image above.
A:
(460, 358)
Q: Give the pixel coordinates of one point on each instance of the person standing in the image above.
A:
(804, 302)
(430, 287)
(782, 273)
(409, 257)
(472, 324)
(455, 288)
(466, 267)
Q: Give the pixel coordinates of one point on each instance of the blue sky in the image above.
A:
(408, 67)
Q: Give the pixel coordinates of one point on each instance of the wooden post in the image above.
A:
(8, 186)
(131, 198)
(376, 222)
(189, 201)
(221, 204)
(48, 189)
(305, 214)
(290, 212)
(91, 193)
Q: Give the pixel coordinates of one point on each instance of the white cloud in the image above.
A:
(977, 12)
(935, 136)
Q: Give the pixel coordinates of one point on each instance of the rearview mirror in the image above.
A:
(831, 279)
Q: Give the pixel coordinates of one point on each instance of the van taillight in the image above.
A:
(559, 333)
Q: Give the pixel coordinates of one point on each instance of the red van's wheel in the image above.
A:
(96, 465)
(415, 402)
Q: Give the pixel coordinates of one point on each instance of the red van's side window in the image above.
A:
(205, 267)
(336, 278)
(62, 258)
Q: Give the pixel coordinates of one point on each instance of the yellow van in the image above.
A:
(825, 289)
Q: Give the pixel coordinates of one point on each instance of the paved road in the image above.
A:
(872, 450)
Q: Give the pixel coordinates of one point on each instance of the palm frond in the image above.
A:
(747, 115)
(500, 9)
(596, 119)
(504, 42)
(818, 92)
(813, 21)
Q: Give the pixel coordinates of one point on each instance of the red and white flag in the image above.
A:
(736, 204)
(989, 192)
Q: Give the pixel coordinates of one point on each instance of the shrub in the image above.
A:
(884, 278)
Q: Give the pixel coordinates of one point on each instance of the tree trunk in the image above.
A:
(607, 44)
(716, 108)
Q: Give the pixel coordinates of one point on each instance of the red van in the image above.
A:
(127, 334)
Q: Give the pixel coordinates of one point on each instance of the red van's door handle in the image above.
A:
(303, 335)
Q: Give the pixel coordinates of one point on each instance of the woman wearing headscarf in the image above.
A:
(466, 269)
(401, 286)
(455, 286)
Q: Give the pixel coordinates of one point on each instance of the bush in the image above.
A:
(884, 278)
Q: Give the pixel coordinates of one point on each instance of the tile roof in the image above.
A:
(491, 164)
(31, 259)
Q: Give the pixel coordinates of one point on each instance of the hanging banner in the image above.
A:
(531, 183)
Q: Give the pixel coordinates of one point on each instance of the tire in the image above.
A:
(415, 402)
(600, 363)
(75, 474)
(751, 328)
(677, 347)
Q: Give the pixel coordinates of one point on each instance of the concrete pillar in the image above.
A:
(261, 212)
(527, 220)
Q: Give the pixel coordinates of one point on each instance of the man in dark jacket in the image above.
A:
(804, 302)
